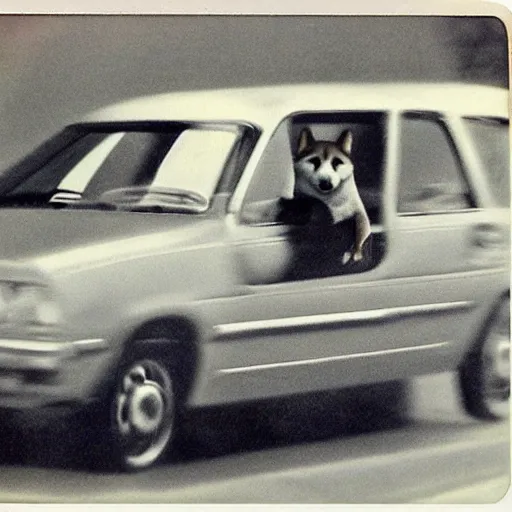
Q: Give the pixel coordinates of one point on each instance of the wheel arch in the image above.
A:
(178, 332)
(175, 335)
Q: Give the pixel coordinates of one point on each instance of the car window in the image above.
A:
(200, 156)
(274, 175)
(46, 174)
(133, 161)
(431, 175)
(332, 232)
(76, 180)
(99, 161)
(492, 141)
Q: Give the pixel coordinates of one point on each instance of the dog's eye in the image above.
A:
(315, 161)
(335, 162)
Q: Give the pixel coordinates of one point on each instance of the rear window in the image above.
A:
(491, 139)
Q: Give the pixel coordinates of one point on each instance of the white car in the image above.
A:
(136, 279)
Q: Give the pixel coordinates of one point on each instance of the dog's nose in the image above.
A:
(325, 185)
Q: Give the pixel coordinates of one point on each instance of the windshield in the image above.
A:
(491, 138)
(176, 169)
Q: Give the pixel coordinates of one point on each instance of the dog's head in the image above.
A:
(322, 166)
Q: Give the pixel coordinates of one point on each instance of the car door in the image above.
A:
(450, 247)
(283, 336)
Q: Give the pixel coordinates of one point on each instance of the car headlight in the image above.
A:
(28, 304)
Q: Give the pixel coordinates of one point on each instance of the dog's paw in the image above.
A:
(351, 256)
(357, 255)
(346, 257)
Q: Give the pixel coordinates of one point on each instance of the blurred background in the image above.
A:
(53, 69)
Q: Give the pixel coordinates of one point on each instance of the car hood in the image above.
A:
(66, 238)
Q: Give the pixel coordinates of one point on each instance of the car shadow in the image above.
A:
(50, 439)
(292, 420)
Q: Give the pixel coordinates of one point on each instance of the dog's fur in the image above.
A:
(324, 171)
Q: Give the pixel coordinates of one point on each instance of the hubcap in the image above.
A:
(146, 407)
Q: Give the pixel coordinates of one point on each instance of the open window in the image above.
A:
(319, 242)
(274, 176)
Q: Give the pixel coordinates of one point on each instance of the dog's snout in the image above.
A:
(325, 185)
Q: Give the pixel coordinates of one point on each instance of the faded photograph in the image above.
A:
(254, 259)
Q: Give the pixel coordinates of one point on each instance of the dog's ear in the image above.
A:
(306, 140)
(344, 142)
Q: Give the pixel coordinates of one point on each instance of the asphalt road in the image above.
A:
(298, 451)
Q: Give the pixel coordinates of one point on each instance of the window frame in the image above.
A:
(464, 172)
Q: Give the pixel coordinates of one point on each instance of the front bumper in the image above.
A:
(38, 373)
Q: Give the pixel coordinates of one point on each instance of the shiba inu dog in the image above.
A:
(325, 172)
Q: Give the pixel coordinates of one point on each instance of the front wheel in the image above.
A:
(485, 376)
(142, 413)
(133, 425)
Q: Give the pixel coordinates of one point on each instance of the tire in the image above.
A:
(485, 375)
(134, 425)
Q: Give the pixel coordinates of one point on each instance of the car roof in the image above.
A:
(265, 104)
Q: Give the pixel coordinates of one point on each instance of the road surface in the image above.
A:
(436, 455)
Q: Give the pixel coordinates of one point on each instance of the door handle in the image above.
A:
(488, 236)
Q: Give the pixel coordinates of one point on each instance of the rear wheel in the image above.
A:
(485, 376)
